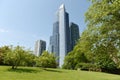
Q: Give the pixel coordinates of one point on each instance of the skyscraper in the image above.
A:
(54, 41)
(74, 33)
(51, 45)
(63, 38)
(64, 35)
(40, 46)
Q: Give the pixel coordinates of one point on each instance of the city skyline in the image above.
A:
(23, 25)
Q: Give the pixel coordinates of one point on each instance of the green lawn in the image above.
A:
(25, 73)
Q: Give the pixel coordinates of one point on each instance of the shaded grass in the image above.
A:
(32, 70)
(52, 70)
(22, 70)
(32, 73)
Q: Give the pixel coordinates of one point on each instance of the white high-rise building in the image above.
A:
(40, 46)
(64, 34)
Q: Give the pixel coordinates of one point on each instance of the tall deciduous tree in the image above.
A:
(103, 17)
(100, 42)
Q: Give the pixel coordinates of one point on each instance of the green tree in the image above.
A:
(73, 58)
(3, 51)
(15, 56)
(30, 59)
(46, 60)
(100, 42)
(69, 62)
(103, 17)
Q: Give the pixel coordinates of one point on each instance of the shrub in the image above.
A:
(87, 67)
(46, 60)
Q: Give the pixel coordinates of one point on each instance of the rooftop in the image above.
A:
(62, 6)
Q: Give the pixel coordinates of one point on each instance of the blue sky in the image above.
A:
(22, 22)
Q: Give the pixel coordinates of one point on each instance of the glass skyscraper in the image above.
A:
(64, 35)
(51, 45)
(74, 34)
(56, 39)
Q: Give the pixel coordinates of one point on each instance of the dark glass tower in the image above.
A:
(74, 33)
(67, 33)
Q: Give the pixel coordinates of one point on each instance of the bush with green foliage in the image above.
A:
(46, 60)
(30, 59)
(73, 58)
(3, 51)
(87, 67)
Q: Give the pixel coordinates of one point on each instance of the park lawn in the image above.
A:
(33, 73)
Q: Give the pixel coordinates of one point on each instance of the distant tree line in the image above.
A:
(19, 56)
(99, 46)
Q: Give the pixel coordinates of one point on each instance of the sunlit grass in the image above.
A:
(33, 73)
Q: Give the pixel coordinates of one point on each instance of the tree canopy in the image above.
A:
(100, 42)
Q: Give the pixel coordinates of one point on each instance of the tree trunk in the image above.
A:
(13, 67)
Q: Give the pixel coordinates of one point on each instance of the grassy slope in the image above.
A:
(52, 74)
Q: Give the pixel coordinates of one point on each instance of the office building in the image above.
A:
(40, 46)
(56, 40)
(64, 34)
(64, 37)
(51, 45)
(74, 34)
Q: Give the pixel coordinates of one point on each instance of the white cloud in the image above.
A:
(3, 31)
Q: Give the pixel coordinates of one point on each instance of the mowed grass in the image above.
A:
(33, 73)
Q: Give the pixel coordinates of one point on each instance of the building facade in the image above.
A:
(56, 40)
(74, 34)
(64, 35)
(51, 45)
(40, 46)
